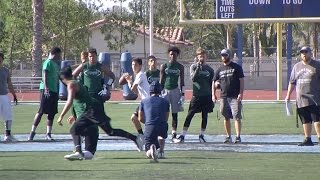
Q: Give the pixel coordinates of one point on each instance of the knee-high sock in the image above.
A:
(8, 125)
(77, 142)
(204, 121)
(174, 121)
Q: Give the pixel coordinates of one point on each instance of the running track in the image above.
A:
(116, 95)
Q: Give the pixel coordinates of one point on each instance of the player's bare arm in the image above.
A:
(77, 71)
(141, 116)
(10, 87)
(182, 79)
(133, 87)
(45, 80)
(72, 90)
(194, 71)
(161, 80)
(290, 90)
(214, 89)
(240, 96)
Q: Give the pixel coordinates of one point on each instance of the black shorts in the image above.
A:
(48, 105)
(309, 114)
(201, 104)
(89, 118)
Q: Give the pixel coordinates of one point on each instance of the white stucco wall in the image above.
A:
(137, 49)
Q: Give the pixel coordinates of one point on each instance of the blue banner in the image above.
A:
(237, 9)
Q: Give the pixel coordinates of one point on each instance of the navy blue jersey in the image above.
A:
(154, 109)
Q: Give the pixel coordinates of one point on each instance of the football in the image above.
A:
(217, 85)
(122, 81)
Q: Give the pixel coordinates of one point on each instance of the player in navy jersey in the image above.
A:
(154, 113)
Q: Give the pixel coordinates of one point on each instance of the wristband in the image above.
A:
(110, 82)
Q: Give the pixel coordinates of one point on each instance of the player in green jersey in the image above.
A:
(170, 73)
(87, 113)
(153, 74)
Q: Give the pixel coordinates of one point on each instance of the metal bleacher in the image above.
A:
(23, 84)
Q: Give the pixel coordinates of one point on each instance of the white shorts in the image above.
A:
(5, 108)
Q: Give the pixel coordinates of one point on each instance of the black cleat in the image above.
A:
(201, 138)
(306, 142)
(180, 139)
(31, 136)
(238, 140)
(173, 137)
(228, 140)
(48, 137)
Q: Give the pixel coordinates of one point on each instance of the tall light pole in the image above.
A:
(151, 27)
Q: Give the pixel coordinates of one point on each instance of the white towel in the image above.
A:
(289, 108)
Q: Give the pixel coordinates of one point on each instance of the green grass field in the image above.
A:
(259, 119)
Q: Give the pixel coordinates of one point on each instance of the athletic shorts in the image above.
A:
(173, 96)
(5, 108)
(230, 108)
(48, 105)
(309, 114)
(201, 104)
(152, 132)
(91, 117)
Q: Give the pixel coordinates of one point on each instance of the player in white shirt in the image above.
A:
(140, 86)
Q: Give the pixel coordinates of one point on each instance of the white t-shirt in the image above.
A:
(143, 85)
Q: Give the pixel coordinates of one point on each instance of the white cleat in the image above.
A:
(154, 153)
(74, 156)
(9, 138)
(87, 155)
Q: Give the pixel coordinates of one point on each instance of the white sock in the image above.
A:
(148, 153)
(174, 131)
(8, 124)
(33, 128)
(49, 129)
(184, 132)
(202, 131)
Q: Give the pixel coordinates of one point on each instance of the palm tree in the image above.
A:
(38, 9)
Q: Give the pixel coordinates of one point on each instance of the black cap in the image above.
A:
(305, 49)
(225, 52)
(155, 87)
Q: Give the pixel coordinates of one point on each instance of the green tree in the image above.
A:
(16, 18)
(37, 8)
(67, 24)
(120, 28)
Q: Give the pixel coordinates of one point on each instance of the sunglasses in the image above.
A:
(304, 51)
(225, 55)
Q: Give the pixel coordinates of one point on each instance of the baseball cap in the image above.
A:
(225, 52)
(155, 87)
(305, 49)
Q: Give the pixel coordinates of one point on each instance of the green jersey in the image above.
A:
(202, 80)
(92, 76)
(52, 69)
(153, 75)
(82, 100)
(171, 75)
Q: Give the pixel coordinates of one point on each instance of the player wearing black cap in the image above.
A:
(154, 113)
